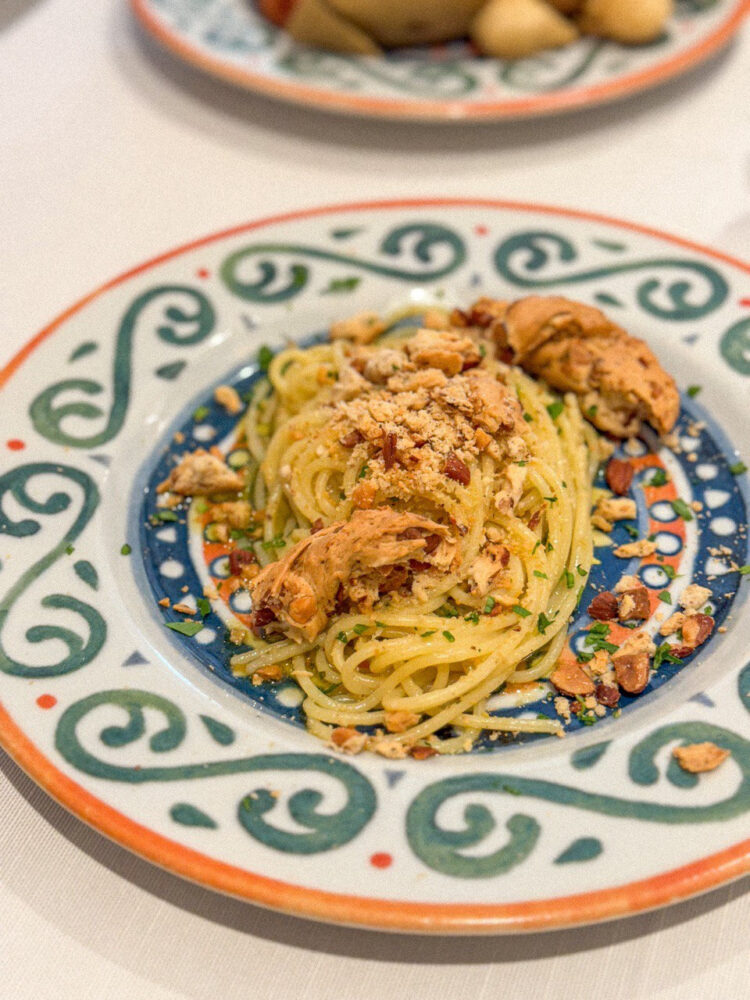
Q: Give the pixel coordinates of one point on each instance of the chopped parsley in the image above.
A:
(693, 390)
(200, 413)
(670, 571)
(744, 570)
(585, 657)
(473, 618)
(341, 285)
(570, 580)
(204, 606)
(447, 611)
(521, 612)
(69, 549)
(591, 411)
(342, 637)
(426, 635)
(277, 542)
(556, 408)
(551, 499)
(738, 468)
(185, 628)
(265, 357)
(363, 472)
(522, 463)
(659, 478)
(449, 636)
(682, 510)
(581, 571)
(361, 629)
(663, 655)
(665, 596)
(380, 625)
(543, 622)
(528, 418)
(540, 575)
(597, 638)
(489, 604)
(126, 550)
(165, 515)
(631, 530)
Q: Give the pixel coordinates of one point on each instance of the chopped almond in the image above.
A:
(571, 679)
(632, 671)
(696, 629)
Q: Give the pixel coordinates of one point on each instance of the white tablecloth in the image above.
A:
(110, 152)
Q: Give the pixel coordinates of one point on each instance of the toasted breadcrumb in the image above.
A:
(228, 398)
(699, 757)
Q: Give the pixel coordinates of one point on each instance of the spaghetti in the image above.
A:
(494, 470)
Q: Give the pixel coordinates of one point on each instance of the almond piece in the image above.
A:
(572, 680)
(619, 476)
(632, 671)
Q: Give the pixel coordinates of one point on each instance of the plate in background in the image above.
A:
(230, 39)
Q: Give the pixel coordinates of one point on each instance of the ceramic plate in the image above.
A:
(232, 40)
(142, 731)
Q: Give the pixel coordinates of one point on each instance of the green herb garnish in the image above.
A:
(540, 575)
(265, 357)
(659, 478)
(449, 636)
(682, 510)
(204, 606)
(570, 580)
(200, 413)
(126, 550)
(665, 596)
(556, 408)
(185, 628)
(361, 629)
(738, 468)
(342, 637)
(543, 623)
(693, 390)
(521, 612)
(489, 604)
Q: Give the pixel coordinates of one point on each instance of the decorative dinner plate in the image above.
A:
(143, 732)
(232, 40)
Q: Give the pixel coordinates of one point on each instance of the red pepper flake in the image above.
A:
(422, 753)
(389, 450)
(239, 558)
(457, 470)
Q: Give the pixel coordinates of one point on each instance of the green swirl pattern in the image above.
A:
(324, 831)
(180, 326)
(79, 651)
(426, 239)
(525, 260)
(446, 80)
(735, 347)
(549, 71)
(439, 848)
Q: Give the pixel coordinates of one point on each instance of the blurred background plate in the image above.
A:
(231, 39)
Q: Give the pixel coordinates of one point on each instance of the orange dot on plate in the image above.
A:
(481, 230)
(46, 701)
(202, 273)
(381, 860)
(15, 444)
